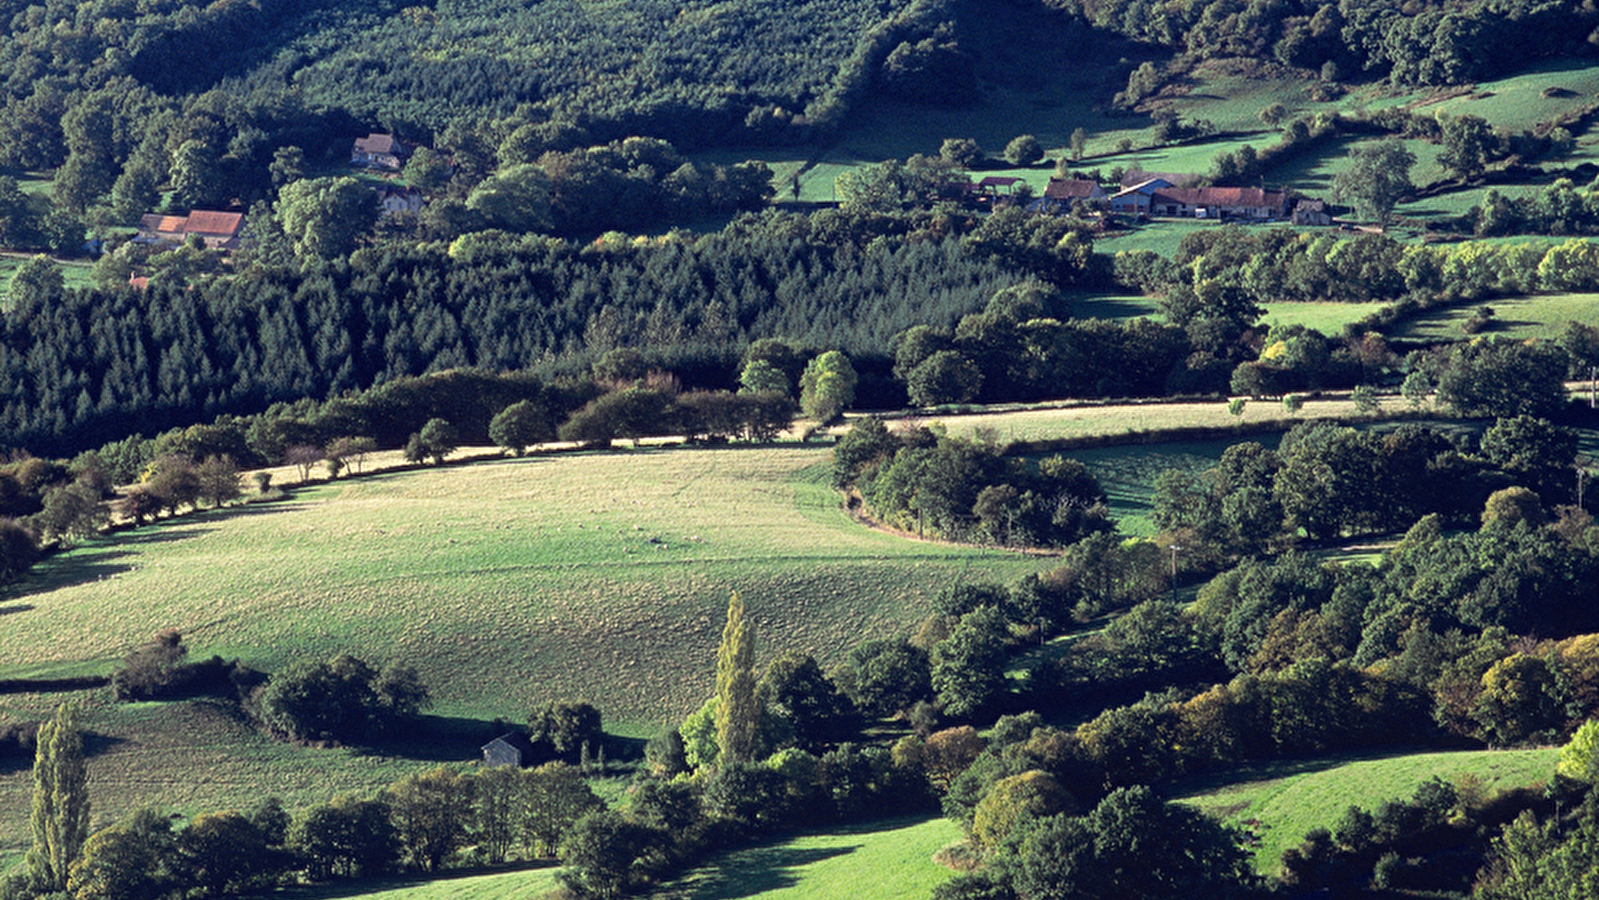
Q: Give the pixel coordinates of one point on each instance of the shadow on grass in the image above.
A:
(746, 873)
(449, 739)
(361, 887)
(1274, 770)
(94, 744)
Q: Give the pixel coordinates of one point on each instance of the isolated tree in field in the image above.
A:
(827, 386)
(60, 819)
(738, 715)
(350, 451)
(1468, 142)
(1024, 150)
(962, 152)
(304, 457)
(562, 729)
(1079, 143)
(341, 699)
(219, 480)
(70, 511)
(519, 426)
(438, 439)
(1376, 178)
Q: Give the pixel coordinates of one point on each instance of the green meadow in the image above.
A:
(506, 583)
(882, 860)
(1540, 316)
(1278, 803)
(525, 884)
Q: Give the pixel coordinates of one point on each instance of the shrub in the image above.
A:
(342, 699)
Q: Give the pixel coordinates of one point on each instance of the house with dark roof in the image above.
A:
(1062, 195)
(219, 230)
(512, 748)
(379, 151)
(1158, 197)
(1311, 212)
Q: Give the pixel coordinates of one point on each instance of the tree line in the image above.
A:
(1420, 44)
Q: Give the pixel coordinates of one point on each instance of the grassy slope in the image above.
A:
(1096, 419)
(506, 583)
(884, 861)
(1543, 316)
(1280, 803)
(522, 883)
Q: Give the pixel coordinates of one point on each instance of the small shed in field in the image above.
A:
(510, 749)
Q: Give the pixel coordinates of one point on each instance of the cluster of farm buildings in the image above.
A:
(222, 230)
(1141, 195)
(1147, 195)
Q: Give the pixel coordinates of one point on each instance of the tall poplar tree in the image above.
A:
(737, 713)
(60, 800)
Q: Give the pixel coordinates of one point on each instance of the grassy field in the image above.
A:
(1082, 420)
(1327, 318)
(1541, 316)
(507, 583)
(524, 884)
(74, 274)
(881, 860)
(1280, 803)
(1128, 474)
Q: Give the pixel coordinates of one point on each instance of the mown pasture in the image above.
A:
(1539, 316)
(1132, 420)
(528, 884)
(881, 860)
(506, 583)
(1279, 802)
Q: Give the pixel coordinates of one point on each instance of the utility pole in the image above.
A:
(1174, 548)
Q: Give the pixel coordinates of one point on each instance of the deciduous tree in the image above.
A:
(737, 712)
(60, 818)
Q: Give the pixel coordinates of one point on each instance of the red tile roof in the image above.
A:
(1232, 197)
(214, 223)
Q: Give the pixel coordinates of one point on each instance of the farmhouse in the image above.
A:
(379, 151)
(1136, 200)
(219, 230)
(1158, 197)
(397, 201)
(1311, 212)
(1062, 195)
(510, 749)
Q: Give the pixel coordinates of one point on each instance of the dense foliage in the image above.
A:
(1416, 43)
(75, 368)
